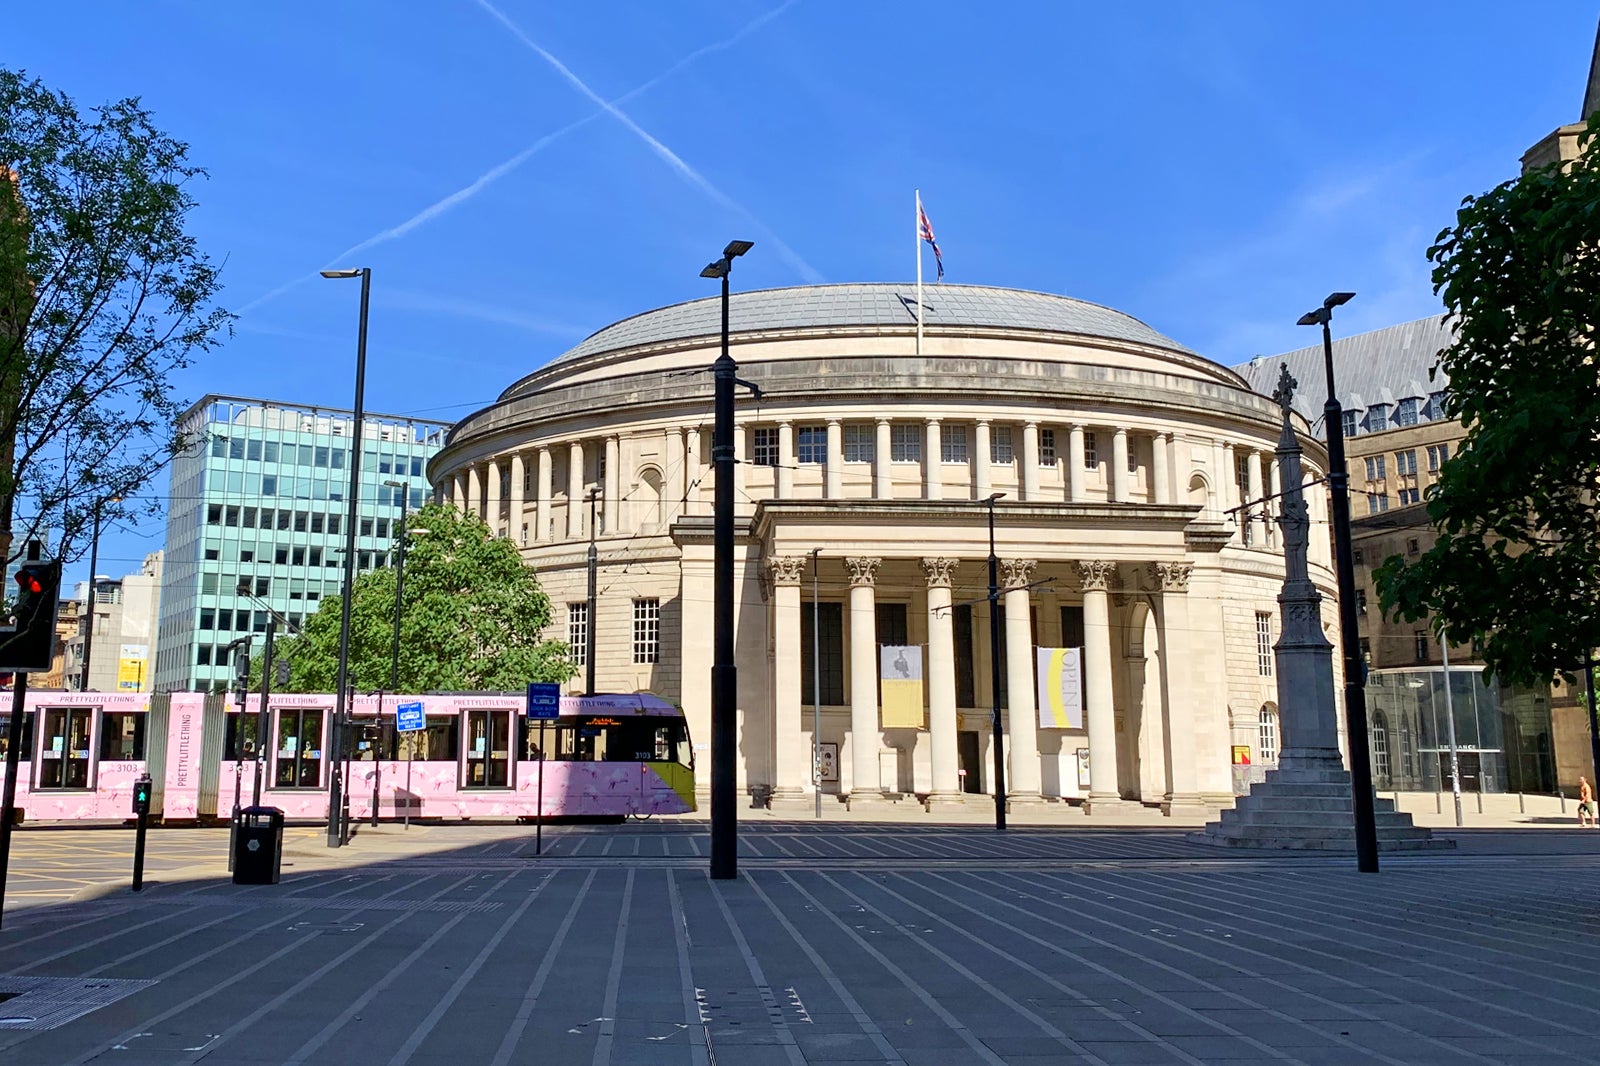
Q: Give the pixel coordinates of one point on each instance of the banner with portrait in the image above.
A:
(900, 685)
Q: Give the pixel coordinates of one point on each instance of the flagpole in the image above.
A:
(916, 226)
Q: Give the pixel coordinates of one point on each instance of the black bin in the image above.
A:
(258, 846)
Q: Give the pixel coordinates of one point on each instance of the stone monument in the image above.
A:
(1306, 801)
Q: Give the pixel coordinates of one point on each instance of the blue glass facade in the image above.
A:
(259, 503)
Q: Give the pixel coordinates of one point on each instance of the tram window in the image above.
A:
(648, 740)
(27, 735)
(371, 739)
(122, 735)
(64, 753)
(299, 748)
(437, 743)
(488, 755)
(238, 737)
(579, 742)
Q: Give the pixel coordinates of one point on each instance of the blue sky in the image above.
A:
(1212, 169)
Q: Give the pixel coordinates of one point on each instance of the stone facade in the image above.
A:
(867, 465)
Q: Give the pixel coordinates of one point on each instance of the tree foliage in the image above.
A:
(472, 615)
(1516, 567)
(103, 294)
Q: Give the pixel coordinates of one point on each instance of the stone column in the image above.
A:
(613, 484)
(1160, 475)
(1023, 783)
(1256, 524)
(980, 461)
(474, 491)
(519, 474)
(1029, 479)
(1177, 689)
(833, 468)
(1275, 486)
(491, 510)
(575, 490)
(932, 485)
(1119, 465)
(741, 459)
(672, 482)
(1104, 790)
(943, 724)
(865, 736)
(692, 468)
(458, 495)
(883, 484)
(1075, 464)
(541, 495)
(792, 754)
(786, 460)
(1230, 490)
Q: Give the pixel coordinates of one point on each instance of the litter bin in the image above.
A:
(258, 846)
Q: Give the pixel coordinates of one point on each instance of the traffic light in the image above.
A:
(141, 795)
(28, 639)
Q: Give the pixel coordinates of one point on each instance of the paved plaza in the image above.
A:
(839, 943)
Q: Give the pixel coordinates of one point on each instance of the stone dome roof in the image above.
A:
(873, 304)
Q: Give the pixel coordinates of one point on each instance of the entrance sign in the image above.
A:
(410, 716)
(544, 700)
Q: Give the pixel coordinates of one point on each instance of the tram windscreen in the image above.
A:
(620, 739)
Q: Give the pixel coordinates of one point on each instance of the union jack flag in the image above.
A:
(925, 228)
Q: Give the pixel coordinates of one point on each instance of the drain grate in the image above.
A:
(39, 1003)
(343, 903)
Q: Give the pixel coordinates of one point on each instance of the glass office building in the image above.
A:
(256, 521)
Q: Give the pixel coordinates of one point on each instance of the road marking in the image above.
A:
(530, 998)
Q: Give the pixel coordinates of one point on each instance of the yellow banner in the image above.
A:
(1060, 688)
(900, 686)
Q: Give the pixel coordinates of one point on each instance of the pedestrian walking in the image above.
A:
(1586, 811)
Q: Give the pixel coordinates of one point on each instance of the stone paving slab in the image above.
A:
(837, 944)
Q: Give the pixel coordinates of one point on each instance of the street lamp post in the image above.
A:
(590, 609)
(1355, 694)
(399, 583)
(341, 706)
(816, 688)
(94, 564)
(994, 673)
(1450, 719)
(724, 673)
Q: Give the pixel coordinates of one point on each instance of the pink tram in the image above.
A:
(476, 757)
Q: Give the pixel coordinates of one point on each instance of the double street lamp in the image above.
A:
(1355, 685)
(89, 599)
(589, 620)
(341, 706)
(724, 674)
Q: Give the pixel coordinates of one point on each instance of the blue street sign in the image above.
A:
(544, 699)
(410, 717)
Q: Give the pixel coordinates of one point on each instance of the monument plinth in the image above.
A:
(1305, 802)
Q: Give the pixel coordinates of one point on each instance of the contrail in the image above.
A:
(500, 170)
(667, 155)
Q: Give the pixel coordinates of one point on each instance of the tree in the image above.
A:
(102, 296)
(471, 619)
(1516, 567)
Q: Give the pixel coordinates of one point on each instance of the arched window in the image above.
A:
(1380, 750)
(1268, 733)
(1408, 760)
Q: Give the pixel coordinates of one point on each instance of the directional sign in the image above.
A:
(410, 717)
(544, 699)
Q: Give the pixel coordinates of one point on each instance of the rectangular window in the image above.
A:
(966, 687)
(812, 443)
(64, 748)
(764, 447)
(1437, 454)
(1409, 496)
(1001, 451)
(1377, 467)
(270, 451)
(859, 443)
(214, 514)
(1405, 463)
(1047, 447)
(1350, 426)
(1377, 502)
(122, 736)
(253, 450)
(1263, 644)
(1405, 413)
(1421, 637)
(905, 443)
(890, 624)
(1091, 451)
(299, 748)
(953, 444)
(646, 631)
(829, 651)
(1378, 418)
(488, 741)
(578, 633)
(1361, 601)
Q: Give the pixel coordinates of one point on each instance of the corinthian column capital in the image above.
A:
(786, 569)
(940, 571)
(863, 570)
(1016, 573)
(1096, 574)
(1171, 577)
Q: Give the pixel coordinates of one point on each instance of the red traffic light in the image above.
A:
(29, 582)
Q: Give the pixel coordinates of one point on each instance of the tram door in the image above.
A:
(64, 747)
(488, 754)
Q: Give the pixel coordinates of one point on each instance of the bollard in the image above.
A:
(1522, 803)
(1438, 802)
(1480, 801)
(1562, 793)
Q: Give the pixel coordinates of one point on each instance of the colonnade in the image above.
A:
(1097, 579)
